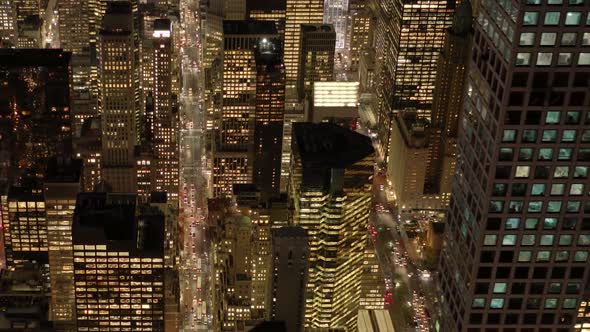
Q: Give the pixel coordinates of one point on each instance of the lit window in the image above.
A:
(527, 240)
(497, 303)
(544, 59)
(561, 172)
(478, 302)
(568, 136)
(564, 59)
(572, 18)
(545, 154)
(500, 288)
(512, 223)
(547, 240)
(522, 171)
(508, 135)
(584, 59)
(535, 206)
(570, 303)
(527, 39)
(530, 18)
(524, 256)
(554, 206)
(551, 18)
(509, 240)
(543, 256)
(552, 117)
(568, 39)
(557, 189)
(550, 303)
(490, 240)
(550, 223)
(586, 39)
(580, 256)
(523, 59)
(576, 189)
(562, 256)
(548, 38)
(565, 240)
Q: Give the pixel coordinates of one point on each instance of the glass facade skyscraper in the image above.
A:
(516, 251)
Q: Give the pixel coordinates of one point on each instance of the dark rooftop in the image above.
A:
(249, 27)
(24, 57)
(266, 5)
(63, 169)
(290, 231)
(327, 145)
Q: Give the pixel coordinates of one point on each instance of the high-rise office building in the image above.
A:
(7, 24)
(234, 10)
(408, 39)
(165, 118)
(29, 33)
(60, 190)
(117, 96)
(88, 148)
(372, 280)
(234, 150)
(24, 224)
(26, 8)
(316, 62)
(515, 255)
(447, 104)
(34, 101)
(118, 264)
(331, 191)
(298, 12)
(262, 10)
(294, 112)
(241, 255)
(290, 255)
(336, 14)
(74, 36)
(269, 114)
(360, 30)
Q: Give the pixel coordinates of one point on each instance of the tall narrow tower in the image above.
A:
(117, 94)
(165, 119)
(298, 12)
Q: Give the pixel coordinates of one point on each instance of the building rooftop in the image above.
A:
(317, 28)
(290, 231)
(265, 5)
(63, 169)
(326, 145)
(249, 27)
(116, 220)
(24, 57)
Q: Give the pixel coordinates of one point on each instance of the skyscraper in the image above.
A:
(234, 150)
(7, 24)
(24, 224)
(262, 10)
(60, 190)
(336, 14)
(269, 114)
(117, 96)
(360, 30)
(331, 191)
(165, 118)
(447, 104)
(408, 39)
(290, 255)
(118, 263)
(515, 254)
(298, 12)
(34, 103)
(316, 61)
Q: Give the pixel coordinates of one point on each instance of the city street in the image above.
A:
(195, 305)
(413, 285)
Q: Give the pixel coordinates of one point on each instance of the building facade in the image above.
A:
(516, 245)
(331, 192)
